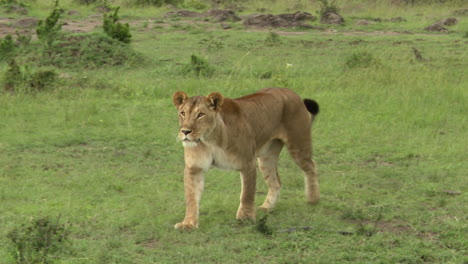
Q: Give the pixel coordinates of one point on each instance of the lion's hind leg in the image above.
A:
(301, 152)
(268, 165)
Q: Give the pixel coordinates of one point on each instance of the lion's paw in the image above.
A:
(244, 215)
(266, 209)
(185, 226)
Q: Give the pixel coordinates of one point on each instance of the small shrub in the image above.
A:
(48, 30)
(16, 79)
(89, 51)
(40, 241)
(199, 66)
(361, 59)
(23, 40)
(272, 39)
(211, 43)
(115, 29)
(42, 79)
(326, 7)
(12, 76)
(14, 6)
(7, 47)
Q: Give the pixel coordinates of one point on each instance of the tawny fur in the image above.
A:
(235, 134)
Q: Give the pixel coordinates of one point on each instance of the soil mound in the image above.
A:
(298, 16)
(449, 21)
(222, 15)
(182, 13)
(439, 25)
(275, 21)
(332, 18)
(436, 27)
(26, 23)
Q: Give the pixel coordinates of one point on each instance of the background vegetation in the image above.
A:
(90, 171)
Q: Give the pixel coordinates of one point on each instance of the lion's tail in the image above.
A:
(312, 106)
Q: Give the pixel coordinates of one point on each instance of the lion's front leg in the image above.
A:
(193, 185)
(246, 209)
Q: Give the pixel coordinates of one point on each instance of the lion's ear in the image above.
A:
(215, 100)
(179, 98)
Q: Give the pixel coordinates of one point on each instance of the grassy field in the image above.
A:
(95, 154)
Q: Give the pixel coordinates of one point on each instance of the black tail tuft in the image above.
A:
(312, 106)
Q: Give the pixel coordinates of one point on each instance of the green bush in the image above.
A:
(23, 40)
(199, 66)
(42, 78)
(115, 29)
(40, 241)
(272, 39)
(7, 47)
(326, 7)
(48, 30)
(86, 51)
(17, 79)
(14, 6)
(12, 76)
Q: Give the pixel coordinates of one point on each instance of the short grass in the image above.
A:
(99, 151)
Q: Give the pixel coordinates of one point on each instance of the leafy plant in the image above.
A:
(7, 47)
(42, 78)
(326, 7)
(115, 29)
(16, 79)
(48, 30)
(211, 43)
(11, 6)
(272, 39)
(88, 51)
(23, 40)
(39, 241)
(12, 76)
(199, 66)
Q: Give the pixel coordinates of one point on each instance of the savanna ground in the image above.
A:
(91, 158)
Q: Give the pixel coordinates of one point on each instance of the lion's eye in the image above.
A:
(182, 114)
(200, 115)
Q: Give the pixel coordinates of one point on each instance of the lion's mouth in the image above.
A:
(190, 142)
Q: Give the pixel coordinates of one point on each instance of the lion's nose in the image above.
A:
(186, 131)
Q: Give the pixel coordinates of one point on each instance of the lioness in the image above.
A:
(235, 133)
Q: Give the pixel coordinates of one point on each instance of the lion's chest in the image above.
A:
(223, 160)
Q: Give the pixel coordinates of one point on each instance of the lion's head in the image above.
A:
(197, 116)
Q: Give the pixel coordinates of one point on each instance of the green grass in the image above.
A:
(98, 151)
